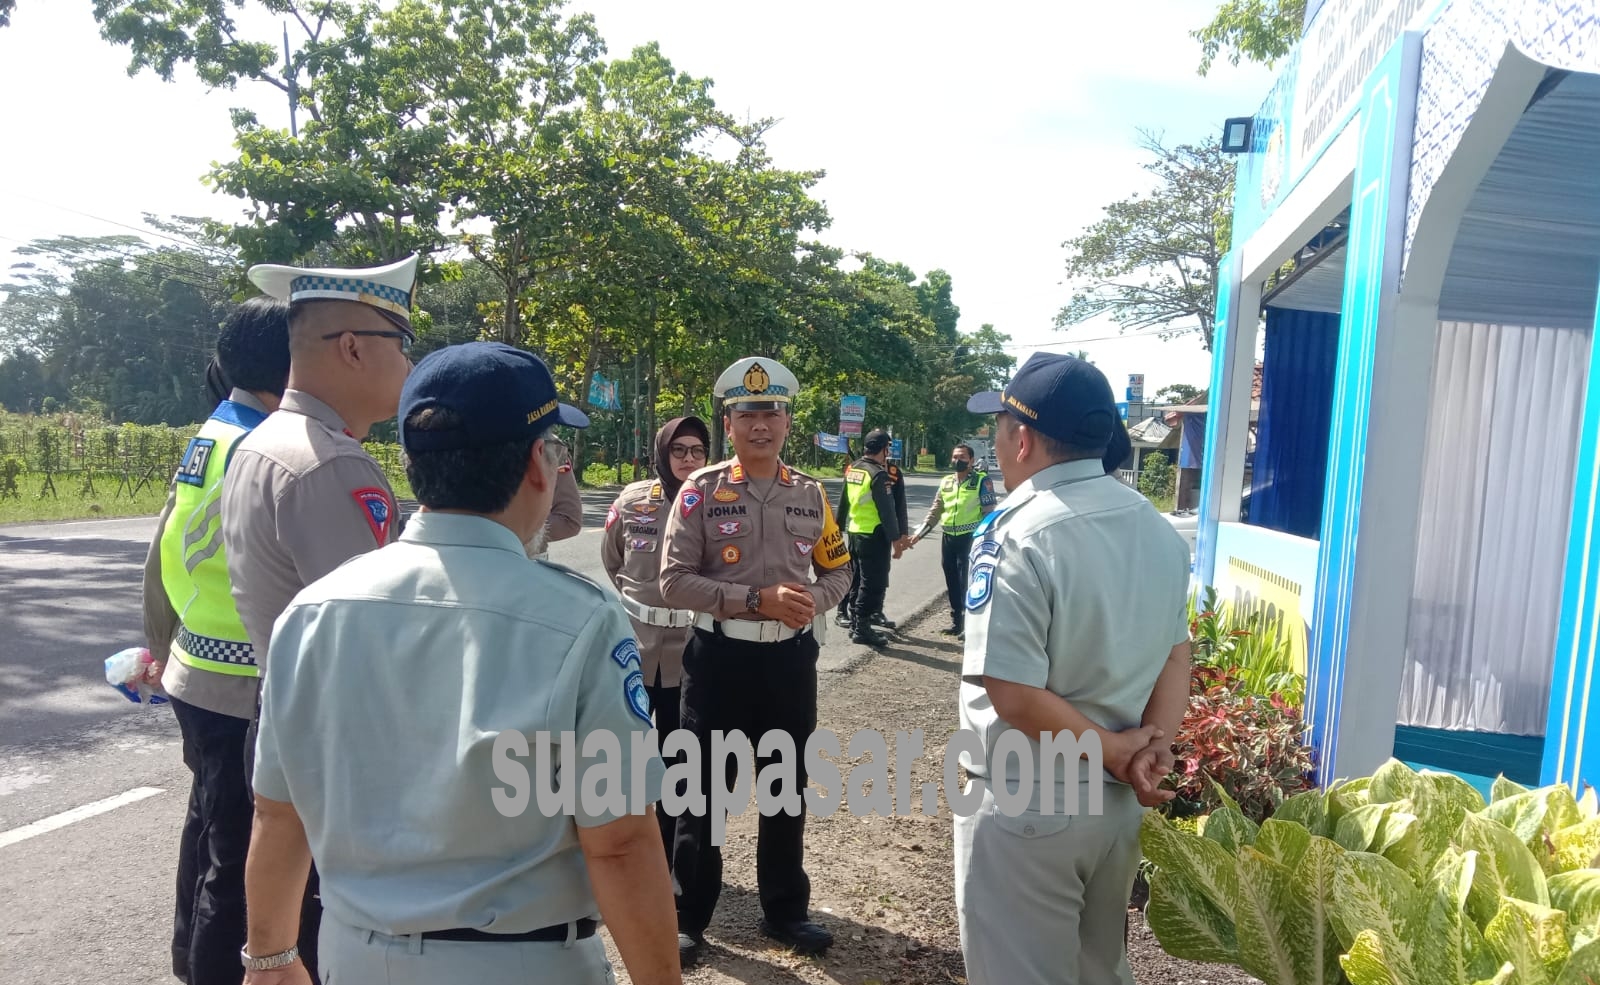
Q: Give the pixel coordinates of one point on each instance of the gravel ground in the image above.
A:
(883, 885)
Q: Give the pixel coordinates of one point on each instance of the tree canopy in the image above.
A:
(601, 211)
(1151, 262)
(1260, 30)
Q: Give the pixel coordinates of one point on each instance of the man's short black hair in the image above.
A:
(479, 480)
(970, 453)
(253, 349)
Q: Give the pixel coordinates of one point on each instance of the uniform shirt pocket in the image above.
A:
(804, 526)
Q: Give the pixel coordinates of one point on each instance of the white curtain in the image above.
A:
(1503, 429)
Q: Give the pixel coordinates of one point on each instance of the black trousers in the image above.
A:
(956, 556)
(311, 904)
(869, 577)
(209, 925)
(753, 687)
(664, 703)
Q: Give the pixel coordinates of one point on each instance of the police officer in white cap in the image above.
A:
(1058, 643)
(744, 539)
(301, 496)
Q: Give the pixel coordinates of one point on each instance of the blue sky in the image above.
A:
(970, 138)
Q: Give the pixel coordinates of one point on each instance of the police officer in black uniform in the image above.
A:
(876, 526)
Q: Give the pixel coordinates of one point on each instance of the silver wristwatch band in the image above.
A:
(270, 961)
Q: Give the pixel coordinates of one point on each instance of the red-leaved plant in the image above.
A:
(1253, 746)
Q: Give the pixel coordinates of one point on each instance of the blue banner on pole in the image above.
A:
(833, 442)
(603, 393)
(897, 449)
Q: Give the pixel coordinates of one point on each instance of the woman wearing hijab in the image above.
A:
(631, 552)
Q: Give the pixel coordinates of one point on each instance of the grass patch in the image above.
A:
(72, 501)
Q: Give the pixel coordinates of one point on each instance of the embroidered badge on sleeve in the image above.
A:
(690, 499)
(375, 507)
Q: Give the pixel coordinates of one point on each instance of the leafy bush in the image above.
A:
(1400, 878)
(1238, 745)
(1158, 479)
(1245, 644)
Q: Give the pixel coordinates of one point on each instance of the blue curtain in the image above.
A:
(1291, 459)
(1192, 449)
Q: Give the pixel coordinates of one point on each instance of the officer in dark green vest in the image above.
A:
(210, 667)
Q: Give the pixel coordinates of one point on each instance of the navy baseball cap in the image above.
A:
(1061, 397)
(499, 393)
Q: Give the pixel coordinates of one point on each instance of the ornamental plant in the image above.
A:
(1400, 878)
(1238, 746)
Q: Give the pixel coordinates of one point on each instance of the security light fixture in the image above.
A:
(1236, 134)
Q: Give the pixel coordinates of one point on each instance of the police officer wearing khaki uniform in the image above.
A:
(1075, 624)
(301, 495)
(193, 627)
(743, 540)
(631, 552)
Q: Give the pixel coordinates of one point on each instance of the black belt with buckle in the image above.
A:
(558, 932)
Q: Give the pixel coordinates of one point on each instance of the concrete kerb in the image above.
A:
(858, 654)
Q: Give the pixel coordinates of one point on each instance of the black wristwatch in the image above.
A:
(752, 600)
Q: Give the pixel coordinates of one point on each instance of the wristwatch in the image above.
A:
(752, 600)
(271, 961)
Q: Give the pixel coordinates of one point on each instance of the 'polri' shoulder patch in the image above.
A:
(626, 652)
(638, 698)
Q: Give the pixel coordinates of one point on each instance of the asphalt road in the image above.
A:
(93, 788)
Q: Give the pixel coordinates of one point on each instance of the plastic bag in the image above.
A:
(129, 672)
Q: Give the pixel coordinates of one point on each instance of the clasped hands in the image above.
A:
(1140, 757)
(791, 603)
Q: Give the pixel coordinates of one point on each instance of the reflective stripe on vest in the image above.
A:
(194, 566)
(960, 498)
(863, 509)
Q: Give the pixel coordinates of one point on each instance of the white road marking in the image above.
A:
(75, 815)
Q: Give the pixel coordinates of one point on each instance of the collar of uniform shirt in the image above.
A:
(301, 402)
(1054, 475)
(460, 530)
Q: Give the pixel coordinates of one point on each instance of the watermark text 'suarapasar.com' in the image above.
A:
(602, 787)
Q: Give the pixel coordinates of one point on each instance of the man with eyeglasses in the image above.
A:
(566, 512)
(631, 553)
(301, 496)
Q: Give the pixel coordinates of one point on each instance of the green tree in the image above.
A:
(1151, 263)
(1179, 393)
(1260, 30)
(119, 326)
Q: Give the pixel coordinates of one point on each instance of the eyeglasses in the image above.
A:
(693, 451)
(405, 340)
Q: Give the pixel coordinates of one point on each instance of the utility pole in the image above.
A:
(289, 79)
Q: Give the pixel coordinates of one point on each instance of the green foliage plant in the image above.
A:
(1398, 878)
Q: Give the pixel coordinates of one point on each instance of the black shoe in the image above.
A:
(878, 620)
(688, 949)
(950, 631)
(842, 619)
(803, 936)
(868, 637)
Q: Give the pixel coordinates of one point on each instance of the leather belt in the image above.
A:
(655, 615)
(556, 932)
(751, 630)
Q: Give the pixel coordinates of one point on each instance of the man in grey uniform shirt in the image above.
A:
(395, 681)
(301, 495)
(1075, 626)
